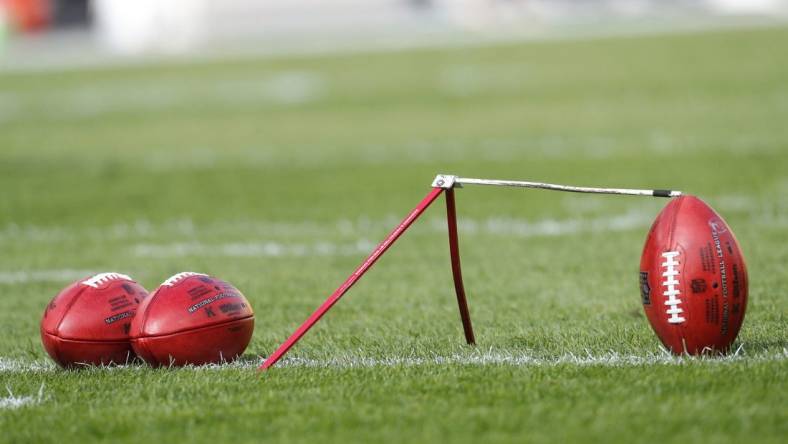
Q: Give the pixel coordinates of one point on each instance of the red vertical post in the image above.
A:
(456, 270)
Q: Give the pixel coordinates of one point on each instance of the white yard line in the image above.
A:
(481, 358)
(510, 227)
(259, 235)
(265, 237)
(361, 227)
(759, 212)
(282, 88)
(24, 277)
(610, 359)
(12, 401)
(502, 226)
(8, 365)
(253, 249)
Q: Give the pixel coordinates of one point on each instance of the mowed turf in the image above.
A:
(280, 175)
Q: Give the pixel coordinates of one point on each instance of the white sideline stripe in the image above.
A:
(19, 365)
(13, 402)
(491, 226)
(610, 359)
(548, 227)
(24, 277)
(771, 214)
(282, 88)
(495, 358)
(254, 249)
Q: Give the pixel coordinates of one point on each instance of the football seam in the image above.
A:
(674, 219)
(143, 347)
(202, 327)
(152, 297)
(68, 308)
(745, 275)
(91, 341)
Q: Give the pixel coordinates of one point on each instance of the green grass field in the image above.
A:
(280, 175)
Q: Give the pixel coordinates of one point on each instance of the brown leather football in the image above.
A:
(693, 278)
(192, 318)
(89, 321)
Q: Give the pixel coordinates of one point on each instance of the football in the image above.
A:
(89, 321)
(192, 318)
(693, 279)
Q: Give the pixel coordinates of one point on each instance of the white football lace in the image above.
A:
(180, 276)
(102, 278)
(671, 283)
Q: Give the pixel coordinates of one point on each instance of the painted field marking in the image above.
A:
(13, 402)
(482, 358)
(32, 276)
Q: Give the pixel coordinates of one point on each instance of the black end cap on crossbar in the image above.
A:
(662, 193)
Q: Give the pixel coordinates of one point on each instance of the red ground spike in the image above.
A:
(366, 265)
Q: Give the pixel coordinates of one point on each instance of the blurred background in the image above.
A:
(44, 32)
